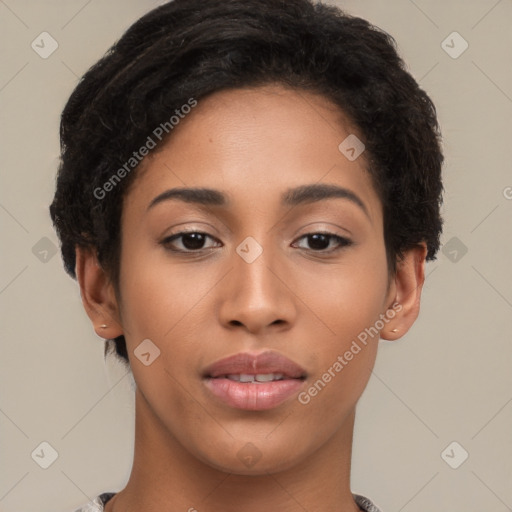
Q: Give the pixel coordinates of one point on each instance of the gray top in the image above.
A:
(98, 503)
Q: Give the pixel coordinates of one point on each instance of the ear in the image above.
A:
(98, 295)
(406, 289)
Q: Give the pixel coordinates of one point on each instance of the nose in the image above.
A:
(258, 293)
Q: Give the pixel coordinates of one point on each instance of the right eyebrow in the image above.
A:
(319, 192)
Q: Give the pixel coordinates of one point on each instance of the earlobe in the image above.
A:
(97, 294)
(408, 283)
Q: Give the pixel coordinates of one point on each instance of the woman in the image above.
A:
(248, 193)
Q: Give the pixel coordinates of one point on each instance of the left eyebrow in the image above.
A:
(320, 192)
(291, 197)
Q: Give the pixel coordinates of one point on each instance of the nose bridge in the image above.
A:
(252, 264)
(257, 296)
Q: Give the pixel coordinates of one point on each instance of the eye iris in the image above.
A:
(194, 241)
(320, 241)
(197, 240)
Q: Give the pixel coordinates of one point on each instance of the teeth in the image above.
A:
(268, 377)
(265, 377)
(260, 377)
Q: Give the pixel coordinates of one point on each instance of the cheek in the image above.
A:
(348, 302)
(169, 304)
(160, 302)
(345, 361)
(347, 298)
(157, 295)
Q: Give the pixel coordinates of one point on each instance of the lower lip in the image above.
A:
(253, 396)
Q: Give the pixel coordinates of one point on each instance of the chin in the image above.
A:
(263, 467)
(253, 458)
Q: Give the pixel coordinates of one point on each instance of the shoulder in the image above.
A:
(97, 504)
(365, 504)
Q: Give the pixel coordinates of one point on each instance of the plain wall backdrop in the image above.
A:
(448, 380)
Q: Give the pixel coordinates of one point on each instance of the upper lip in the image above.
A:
(254, 364)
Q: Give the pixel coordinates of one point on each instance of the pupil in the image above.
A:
(197, 240)
(320, 241)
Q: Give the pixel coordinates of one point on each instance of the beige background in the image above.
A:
(449, 379)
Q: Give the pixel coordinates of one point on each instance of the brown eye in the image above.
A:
(191, 241)
(194, 241)
(320, 242)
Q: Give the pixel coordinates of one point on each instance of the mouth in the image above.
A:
(254, 382)
(259, 377)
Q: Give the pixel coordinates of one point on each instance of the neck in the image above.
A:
(166, 476)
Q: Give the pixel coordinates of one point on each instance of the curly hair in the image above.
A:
(192, 48)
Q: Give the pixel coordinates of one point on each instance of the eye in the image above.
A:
(192, 241)
(320, 241)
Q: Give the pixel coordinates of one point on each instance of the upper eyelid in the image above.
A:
(312, 232)
(179, 234)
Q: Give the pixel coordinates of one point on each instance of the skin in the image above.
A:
(301, 301)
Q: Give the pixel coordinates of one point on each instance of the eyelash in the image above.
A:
(342, 241)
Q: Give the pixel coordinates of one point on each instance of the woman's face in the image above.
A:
(255, 279)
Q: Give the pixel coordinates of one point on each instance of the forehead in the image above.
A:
(254, 143)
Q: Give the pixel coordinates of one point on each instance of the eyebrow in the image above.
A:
(291, 197)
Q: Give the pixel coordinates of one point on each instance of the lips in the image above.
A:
(261, 364)
(254, 382)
